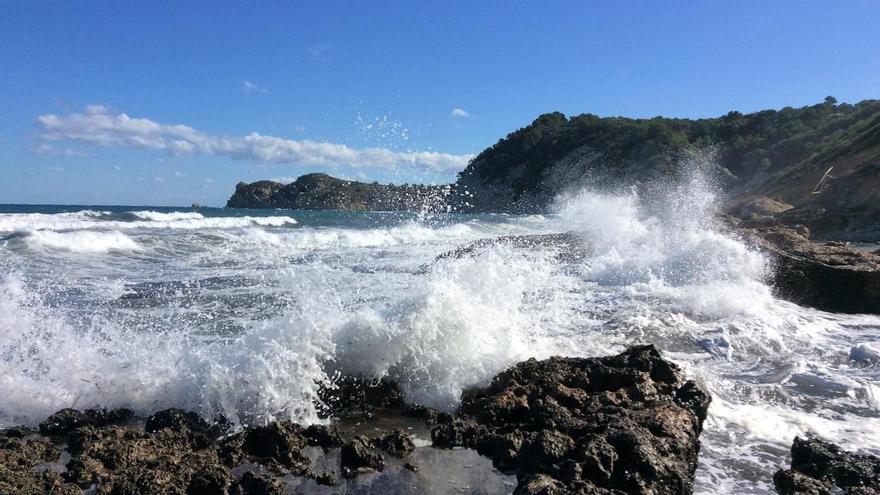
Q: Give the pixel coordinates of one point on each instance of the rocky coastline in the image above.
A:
(622, 424)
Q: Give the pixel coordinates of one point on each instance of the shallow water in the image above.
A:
(246, 313)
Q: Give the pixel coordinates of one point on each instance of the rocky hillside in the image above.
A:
(323, 192)
(770, 162)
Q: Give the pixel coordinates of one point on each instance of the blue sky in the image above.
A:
(165, 103)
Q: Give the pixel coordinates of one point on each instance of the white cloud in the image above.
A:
(209, 180)
(158, 179)
(48, 149)
(178, 173)
(249, 87)
(98, 126)
(459, 113)
(56, 169)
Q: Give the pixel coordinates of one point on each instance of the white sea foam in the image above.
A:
(87, 219)
(83, 241)
(289, 307)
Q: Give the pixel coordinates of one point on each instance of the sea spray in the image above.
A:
(249, 320)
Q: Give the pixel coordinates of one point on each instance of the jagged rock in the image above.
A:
(322, 436)
(357, 456)
(831, 276)
(819, 467)
(397, 443)
(281, 441)
(210, 482)
(255, 484)
(67, 420)
(572, 425)
(19, 473)
(322, 192)
(569, 247)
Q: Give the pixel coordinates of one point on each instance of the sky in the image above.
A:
(169, 102)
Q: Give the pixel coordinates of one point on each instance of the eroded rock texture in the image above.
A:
(622, 424)
(820, 468)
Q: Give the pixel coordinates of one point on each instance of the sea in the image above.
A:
(247, 313)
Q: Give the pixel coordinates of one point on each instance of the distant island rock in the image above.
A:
(323, 192)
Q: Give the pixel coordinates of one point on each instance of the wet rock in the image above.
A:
(830, 276)
(627, 423)
(569, 247)
(257, 484)
(322, 436)
(822, 467)
(326, 479)
(357, 457)
(210, 482)
(21, 471)
(67, 420)
(280, 441)
(397, 443)
(356, 397)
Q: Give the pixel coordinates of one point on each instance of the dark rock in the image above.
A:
(176, 420)
(817, 465)
(212, 482)
(281, 441)
(322, 192)
(626, 423)
(397, 443)
(67, 420)
(322, 436)
(829, 276)
(357, 456)
(19, 473)
(357, 397)
(411, 467)
(326, 479)
(569, 247)
(256, 484)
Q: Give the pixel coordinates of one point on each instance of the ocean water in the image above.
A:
(246, 313)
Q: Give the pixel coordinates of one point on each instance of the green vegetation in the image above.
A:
(768, 141)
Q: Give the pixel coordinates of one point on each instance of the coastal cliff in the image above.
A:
(817, 166)
(323, 192)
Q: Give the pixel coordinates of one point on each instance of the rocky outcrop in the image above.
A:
(622, 424)
(323, 192)
(832, 276)
(820, 468)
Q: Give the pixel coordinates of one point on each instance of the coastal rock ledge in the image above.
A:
(625, 424)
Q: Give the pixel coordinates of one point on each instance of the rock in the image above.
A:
(357, 457)
(828, 276)
(19, 473)
(570, 248)
(750, 208)
(397, 443)
(254, 195)
(322, 436)
(573, 425)
(322, 192)
(67, 420)
(281, 441)
(190, 424)
(211, 482)
(256, 484)
(819, 467)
